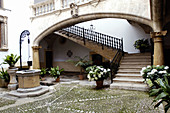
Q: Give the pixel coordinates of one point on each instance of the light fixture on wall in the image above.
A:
(92, 27)
(69, 53)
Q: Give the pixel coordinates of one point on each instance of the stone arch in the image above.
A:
(87, 17)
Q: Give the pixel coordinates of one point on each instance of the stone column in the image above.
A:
(13, 82)
(158, 47)
(36, 62)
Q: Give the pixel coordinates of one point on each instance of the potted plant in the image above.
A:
(56, 72)
(152, 73)
(98, 74)
(83, 63)
(4, 78)
(11, 60)
(162, 94)
(43, 73)
(141, 44)
(158, 79)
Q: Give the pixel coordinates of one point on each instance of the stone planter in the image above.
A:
(13, 82)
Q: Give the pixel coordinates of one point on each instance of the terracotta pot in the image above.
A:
(81, 77)
(3, 83)
(99, 84)
(58, 79)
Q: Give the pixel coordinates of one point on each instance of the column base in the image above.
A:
(12, 86)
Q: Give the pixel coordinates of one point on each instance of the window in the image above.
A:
(3, 34)
(1, 3)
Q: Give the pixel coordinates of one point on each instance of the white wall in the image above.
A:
(119, 28)
(18, 21)
(60, 50)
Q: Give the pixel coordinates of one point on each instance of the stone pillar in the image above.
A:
(158, 47)
(36, 61)
(13, 82)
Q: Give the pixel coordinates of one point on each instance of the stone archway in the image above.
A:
(72, 21)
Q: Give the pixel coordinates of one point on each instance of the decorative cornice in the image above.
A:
(158, 34)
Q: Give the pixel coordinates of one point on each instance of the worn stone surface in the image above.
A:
(28, 82)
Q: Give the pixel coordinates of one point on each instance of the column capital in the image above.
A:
(158, 34)
(36, 47)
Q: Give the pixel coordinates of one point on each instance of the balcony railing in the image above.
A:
(43, 7)
(49, 6)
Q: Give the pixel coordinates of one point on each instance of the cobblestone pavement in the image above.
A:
(72, 95)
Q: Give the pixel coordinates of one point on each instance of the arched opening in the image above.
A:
(88, 17)
(60, 47)
(167, 44)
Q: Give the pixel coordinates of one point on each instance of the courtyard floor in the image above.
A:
(73, 96)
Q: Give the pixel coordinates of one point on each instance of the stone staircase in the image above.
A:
(128, 75)
(106, 52)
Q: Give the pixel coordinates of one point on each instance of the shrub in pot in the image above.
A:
(56, 72)
(98, 74)
(4, 78)
(158, 78)
(162, 94)
(152, 73)
(83, 63)
(43, 72)
(141, 44)
(11, 60)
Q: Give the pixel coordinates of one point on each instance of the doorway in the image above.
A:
(49, 59)
(97, 59)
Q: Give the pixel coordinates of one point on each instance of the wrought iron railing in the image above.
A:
(104, 40)
(114, 64)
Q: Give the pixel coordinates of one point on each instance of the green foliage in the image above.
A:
(152, 73)
(11, 60)
(4, 75)
(141, 44)
(82, 62)
(97, 73)
(158, 78)
(43, 71)
(55, 72)
(162, 94)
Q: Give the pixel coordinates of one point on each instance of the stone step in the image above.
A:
(129, 75)
(129, 80)
(129, 86)
(128, 72)
(136, 60)
(29, 94)
(130, 69)
(139, 54)
(131, 66)
(136, 63)
(137, 57)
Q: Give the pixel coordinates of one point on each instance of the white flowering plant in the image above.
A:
(96, 73)
(152, 73)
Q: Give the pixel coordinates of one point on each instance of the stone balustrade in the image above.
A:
(49, 6)
(43, 7)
